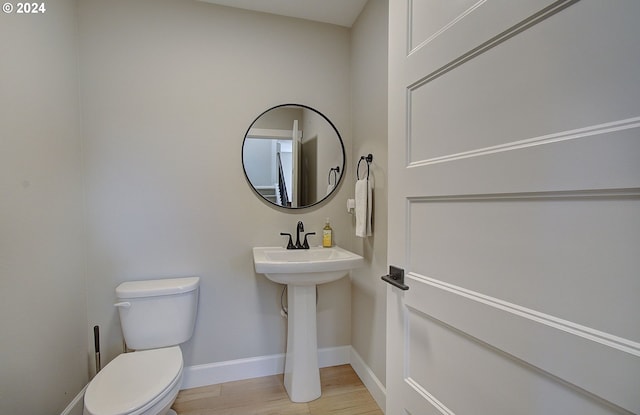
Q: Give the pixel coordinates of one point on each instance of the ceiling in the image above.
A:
(338, 12)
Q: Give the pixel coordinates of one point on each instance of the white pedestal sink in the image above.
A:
(302, 270)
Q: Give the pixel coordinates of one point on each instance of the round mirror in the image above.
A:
(293, 156)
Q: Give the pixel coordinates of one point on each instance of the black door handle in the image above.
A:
(395, 277)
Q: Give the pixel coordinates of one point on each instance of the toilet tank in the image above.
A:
(157, 313)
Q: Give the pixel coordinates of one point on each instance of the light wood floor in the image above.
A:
(342, 393)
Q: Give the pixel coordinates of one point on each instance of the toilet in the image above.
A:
(156, 317)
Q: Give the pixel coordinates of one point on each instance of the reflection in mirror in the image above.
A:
(293, 156)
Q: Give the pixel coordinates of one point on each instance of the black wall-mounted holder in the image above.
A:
(368, 158)
(395, 278)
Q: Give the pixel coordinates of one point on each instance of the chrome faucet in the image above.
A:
(298, 245)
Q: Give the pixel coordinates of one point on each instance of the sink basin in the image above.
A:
(302, 270)
(311, 266)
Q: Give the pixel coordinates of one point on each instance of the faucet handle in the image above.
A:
(290, 244)
(305, 244)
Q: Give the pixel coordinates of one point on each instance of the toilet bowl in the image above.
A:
(156, 316)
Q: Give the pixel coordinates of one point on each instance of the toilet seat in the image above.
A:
(134, 382)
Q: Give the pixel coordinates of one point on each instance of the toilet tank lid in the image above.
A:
(152, 288)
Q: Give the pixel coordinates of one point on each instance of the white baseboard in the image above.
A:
(255, 367)
(369, 379)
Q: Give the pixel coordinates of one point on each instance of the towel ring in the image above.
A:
(368, 159)
(335, 171)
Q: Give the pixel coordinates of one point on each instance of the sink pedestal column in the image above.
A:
(301, 372)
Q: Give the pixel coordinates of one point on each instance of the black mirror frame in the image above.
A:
(344, 158)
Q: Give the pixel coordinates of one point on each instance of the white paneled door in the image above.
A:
(514, 207)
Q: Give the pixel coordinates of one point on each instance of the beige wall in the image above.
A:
(43, 319)
(369, 123)
(168, 91)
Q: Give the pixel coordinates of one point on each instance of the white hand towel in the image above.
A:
(363, 198)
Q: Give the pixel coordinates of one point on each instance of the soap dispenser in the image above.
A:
(327, 235)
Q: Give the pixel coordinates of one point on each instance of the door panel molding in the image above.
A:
(498, 244)
(489, 103)
(613, 193)
(426, 396)
(561, 349)
(575, 134)
(587, 333)
(435, 32)
(554, 346)
(551, 394)
(448, 50)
